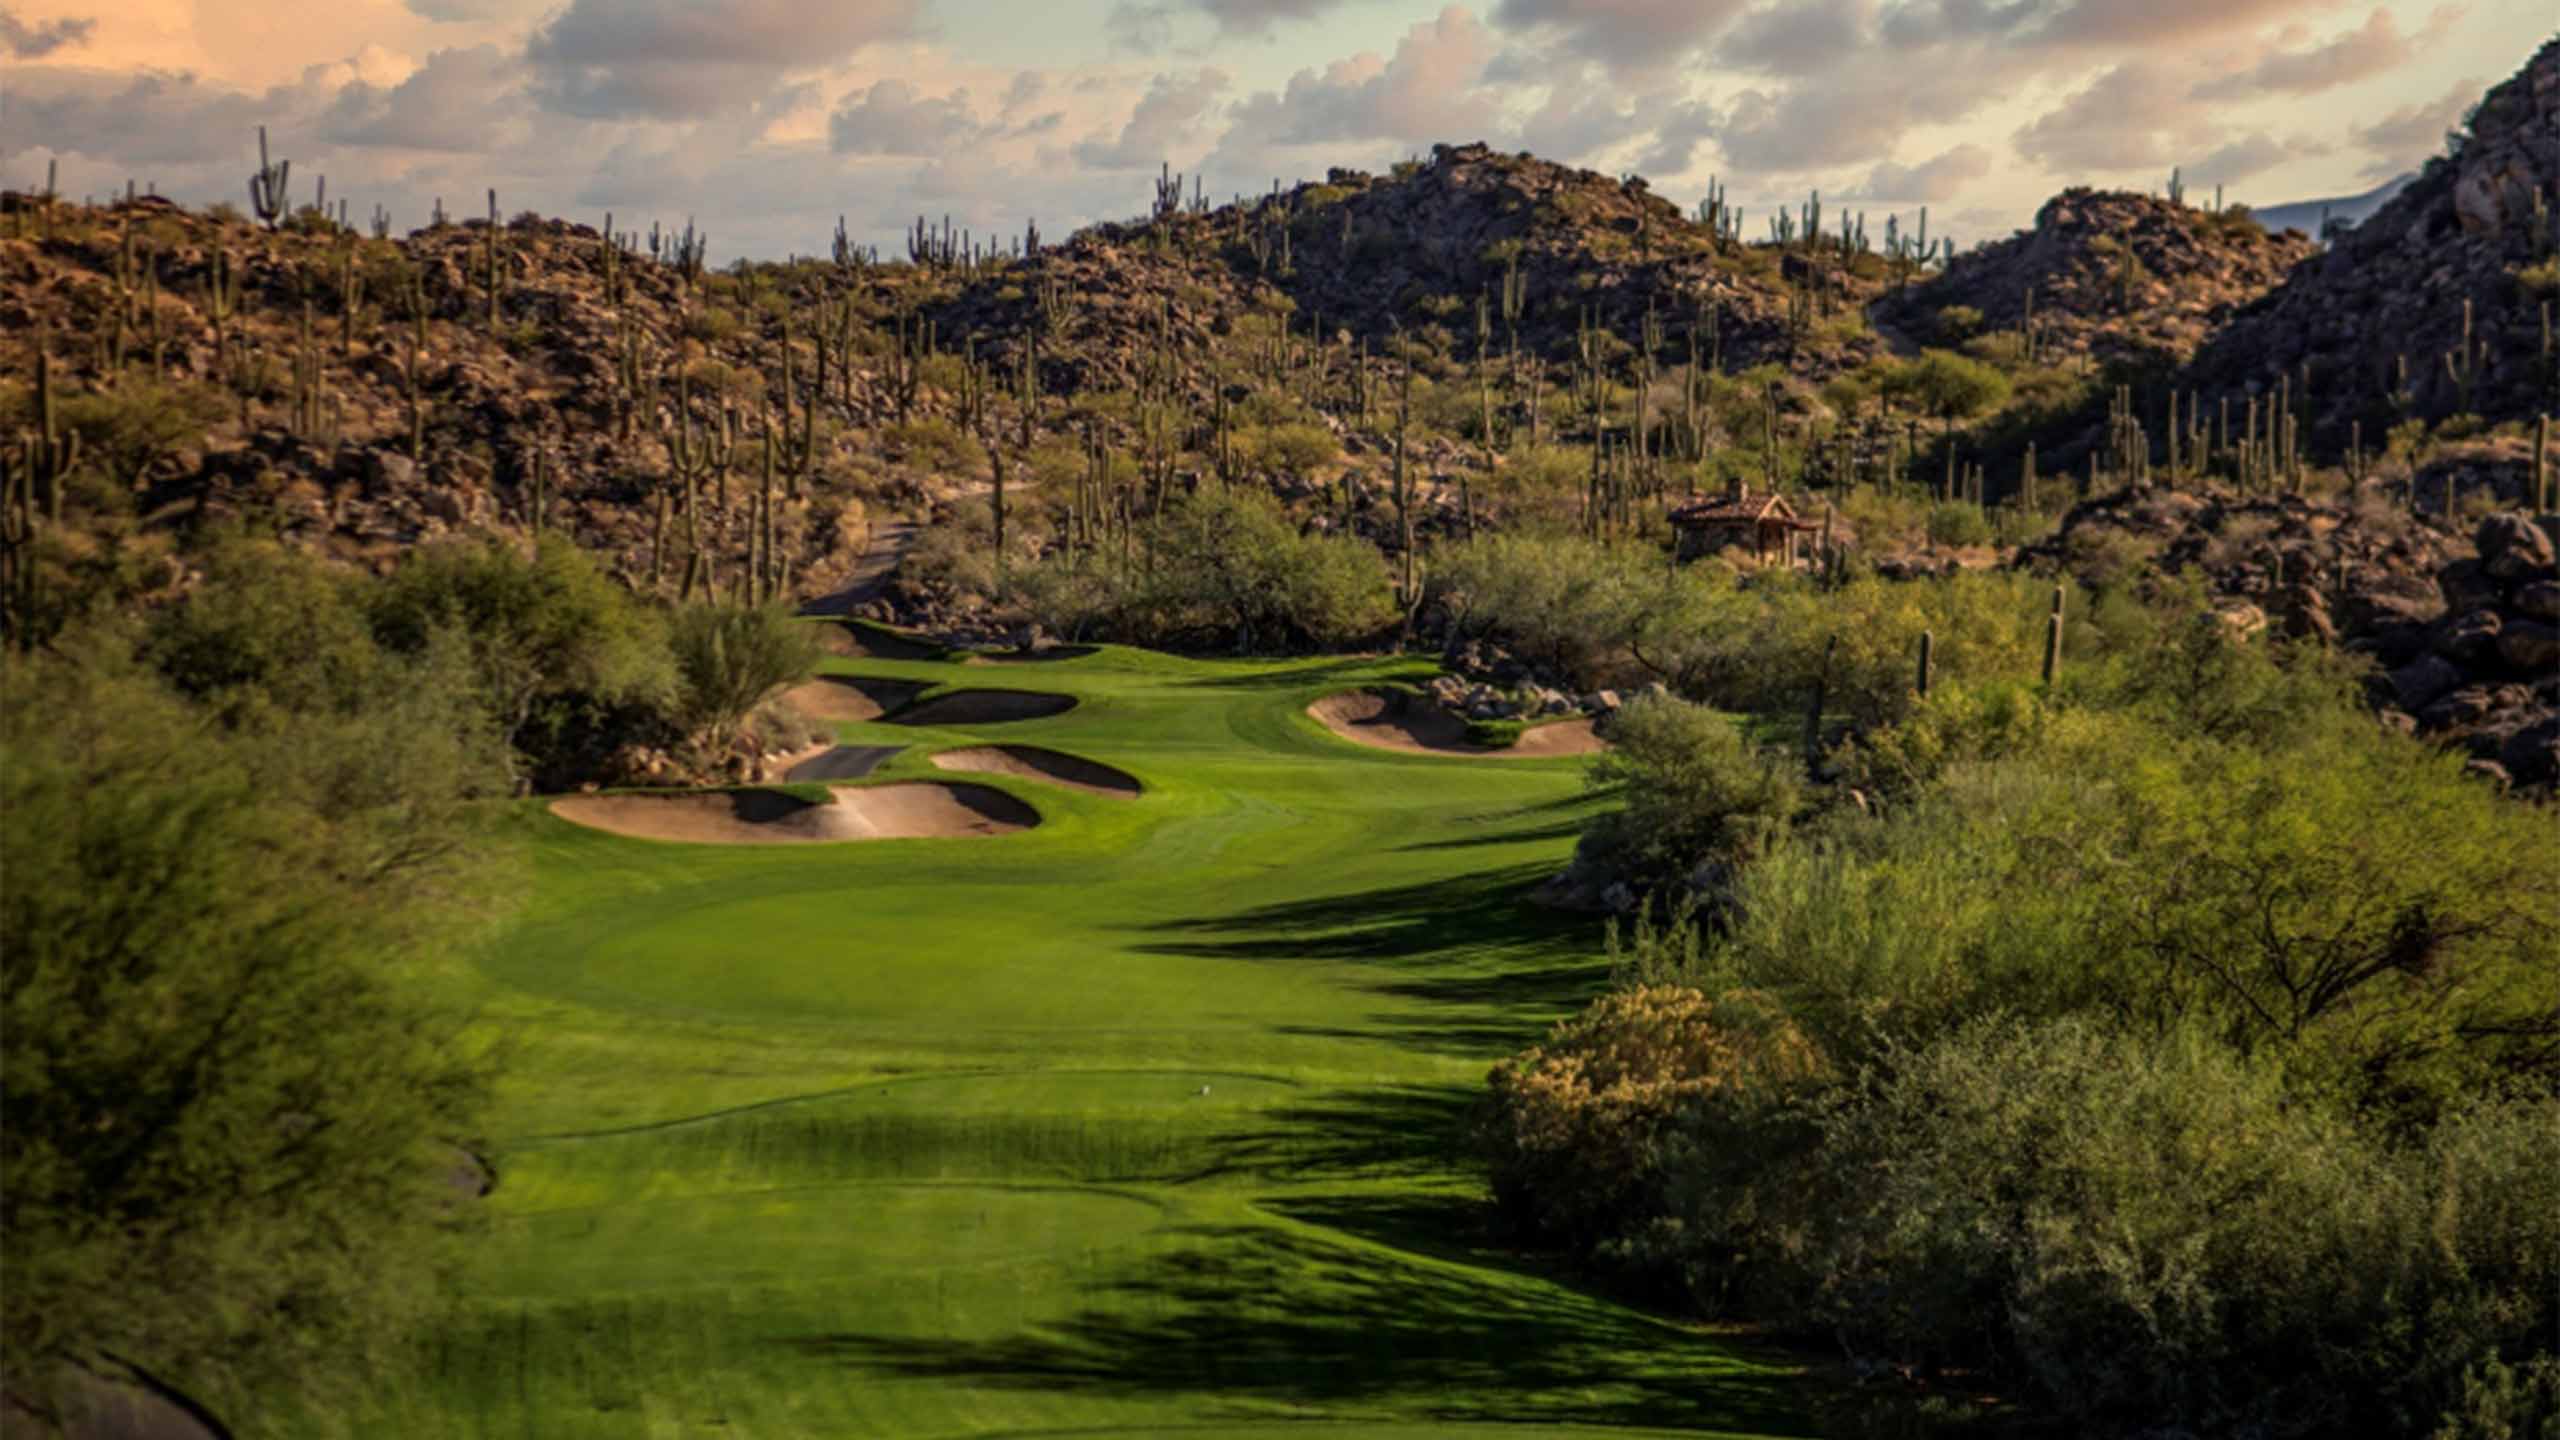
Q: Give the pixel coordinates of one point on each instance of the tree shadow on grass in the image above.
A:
(1419, 920)
(1242, 1317)
(1498, 967)
(1381, 1132)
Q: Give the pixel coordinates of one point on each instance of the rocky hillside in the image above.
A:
(2462, 618)
(2106, 275)
(1358, 260)
(364, 393)
(2442, 303)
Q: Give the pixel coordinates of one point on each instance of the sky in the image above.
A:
(763, 121)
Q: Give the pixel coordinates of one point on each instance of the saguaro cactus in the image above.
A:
(267, 188)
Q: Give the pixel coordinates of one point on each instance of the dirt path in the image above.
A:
(889, 544)
(870, 573)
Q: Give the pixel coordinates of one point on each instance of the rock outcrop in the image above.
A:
(2440, 303)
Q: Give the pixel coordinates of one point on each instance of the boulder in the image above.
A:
(2464, 707)
(2419, 683)
(2512, 547)
(2470, 639)
(2530, 646)
(2532, 754)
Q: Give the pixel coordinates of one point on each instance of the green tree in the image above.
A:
(230, 1116)
(548, 625)
(729, 658)
(1696, 791)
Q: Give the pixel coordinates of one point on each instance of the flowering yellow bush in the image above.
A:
(1577, 1127)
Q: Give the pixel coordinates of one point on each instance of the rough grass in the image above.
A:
(1149, 1118)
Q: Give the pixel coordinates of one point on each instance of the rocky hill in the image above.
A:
(2442, 303)
(364, 394)
(2460, 616)
(2105, 275)
(1360, 261)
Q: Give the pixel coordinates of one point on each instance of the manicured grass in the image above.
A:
(1149, 1118)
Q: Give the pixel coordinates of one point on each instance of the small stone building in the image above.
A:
(1760, 521)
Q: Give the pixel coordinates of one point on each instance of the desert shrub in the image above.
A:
(1955, 324)
(2148, 1230)
(1961, 723)
(712, 325)
(1983, 626)
(230, 1116)
(1229, 563)
(2499, 1401)
(1948, 385)
(545, 632)
(934, 443)
(729, 658)
(1958, 523)
(1697, 792)
(126, 430)
(1495, 734)
(1574, 1129)
(1297, 450)
(2350, 908)
(1224, 568)
(267, 619)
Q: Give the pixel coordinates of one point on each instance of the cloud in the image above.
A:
(1848, 114)
(141, 121)
(1628, 36)
(460, 101)
(23, 41)
(689, 59)
(2370, 49)
(1430, 91)
(1255, 17)
(2136, 115)
(1940, 177)
(461, 12)
(2400, 140)
(891, 118)
(2249, 155)
(1163, 121)
(1683, 128)
(1799, 36)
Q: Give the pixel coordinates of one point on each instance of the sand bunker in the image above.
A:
(871, 642)
(1394, 720)
(1050, 767)
(771, 817)
(843, 698)
(984, 707)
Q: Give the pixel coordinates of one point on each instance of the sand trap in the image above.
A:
(871, 642)
(1050, 767)
(770, 817)
(1393, 720)
(984, 707)
(842, 698)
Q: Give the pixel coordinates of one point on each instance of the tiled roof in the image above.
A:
(1734, 509)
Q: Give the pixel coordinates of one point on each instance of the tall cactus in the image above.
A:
(50, 453)
(267, 188)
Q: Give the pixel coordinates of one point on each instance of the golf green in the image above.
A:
(1147, 1119)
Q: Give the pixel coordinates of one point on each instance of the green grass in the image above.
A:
(1149, 1118)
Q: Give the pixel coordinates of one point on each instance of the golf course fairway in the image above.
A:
(1145, 1119)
